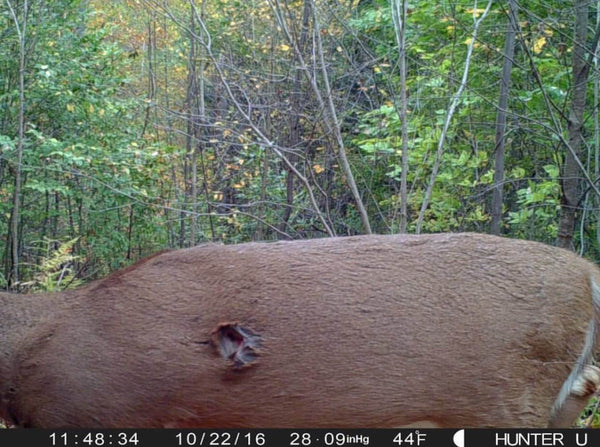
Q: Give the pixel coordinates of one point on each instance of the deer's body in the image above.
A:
(371, 331)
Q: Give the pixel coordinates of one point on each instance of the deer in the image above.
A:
(375, 331)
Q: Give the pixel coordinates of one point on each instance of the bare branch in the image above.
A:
(206, 41)
(450, 114)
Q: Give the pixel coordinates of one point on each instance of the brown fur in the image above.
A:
(372, 331)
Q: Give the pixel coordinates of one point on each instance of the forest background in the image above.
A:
(128, 127)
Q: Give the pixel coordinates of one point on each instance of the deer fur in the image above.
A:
(456, 330)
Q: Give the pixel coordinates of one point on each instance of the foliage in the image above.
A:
(135, 143)
(590, 418)
(77, 151)
(56, 269)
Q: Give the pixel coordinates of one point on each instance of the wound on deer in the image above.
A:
(236, 343)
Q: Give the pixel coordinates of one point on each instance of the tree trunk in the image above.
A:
(15, 215)
(597, 127)
(399, 12)
(570, 175)
(509, 51)
(297, 100)
(193, 131)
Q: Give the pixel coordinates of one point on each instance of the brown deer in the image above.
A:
(451, 330)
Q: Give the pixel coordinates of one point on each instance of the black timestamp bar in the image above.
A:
(300, 438)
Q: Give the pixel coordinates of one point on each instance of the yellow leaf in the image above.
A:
(318, 169)
(377, 69)
(101, 112)
(91, 108)
(539, 44)
(475, 11)
(284, 47)
(70, 108)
